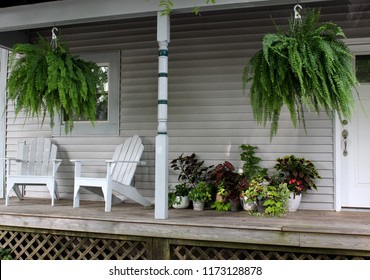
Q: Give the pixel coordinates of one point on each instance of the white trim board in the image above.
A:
(3, 77)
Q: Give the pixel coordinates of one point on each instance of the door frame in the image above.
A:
(360, 46)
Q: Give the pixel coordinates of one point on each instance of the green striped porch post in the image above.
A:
(161, 141)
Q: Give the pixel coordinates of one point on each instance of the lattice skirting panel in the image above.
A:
(38, 244)
(189, 252)
(62, 246)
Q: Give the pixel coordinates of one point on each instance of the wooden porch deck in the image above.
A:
(306, 230)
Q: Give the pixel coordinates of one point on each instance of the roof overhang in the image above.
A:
(17, 19)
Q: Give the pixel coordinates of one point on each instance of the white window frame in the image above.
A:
(100, 128)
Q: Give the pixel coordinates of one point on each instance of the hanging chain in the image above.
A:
(54, 41)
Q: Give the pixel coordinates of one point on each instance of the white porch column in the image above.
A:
(3, 76)
(161, 143)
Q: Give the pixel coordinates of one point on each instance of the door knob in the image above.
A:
(345, 136)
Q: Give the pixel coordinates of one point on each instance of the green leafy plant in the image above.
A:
(276, 200)
(221, 202)
(167, 6)
(221, 206)
(191, 170)
(299, 174)
(309, 66)
(44, 80)
(257, 190)
(201, 192)
(171, 199)
(5, 254)
(224, 175)
(251, 167)
(180, 190)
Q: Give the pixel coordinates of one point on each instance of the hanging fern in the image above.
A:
(46, 81)
(307, 67)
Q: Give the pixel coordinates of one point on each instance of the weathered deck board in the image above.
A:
(306, 229)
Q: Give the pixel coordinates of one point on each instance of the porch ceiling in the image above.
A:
(27, 14)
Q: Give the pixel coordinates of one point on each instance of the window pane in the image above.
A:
(363, 68)
(102, 99)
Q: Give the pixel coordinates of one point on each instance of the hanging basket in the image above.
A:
(45, 78)
(306, 68)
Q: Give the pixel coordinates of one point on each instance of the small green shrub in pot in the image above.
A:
(177, 195)
(201, 192)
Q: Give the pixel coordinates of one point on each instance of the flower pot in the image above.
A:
(247, 206)
(221, 198)
(293, 202)
(234, 205)
(198, 205)
(260, 207)
(181, 202)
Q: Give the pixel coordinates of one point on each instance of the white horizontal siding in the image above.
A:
(208, 112)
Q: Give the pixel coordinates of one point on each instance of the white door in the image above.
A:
(355, 153)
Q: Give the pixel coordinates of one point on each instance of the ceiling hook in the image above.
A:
(297, 14)
(53, 35)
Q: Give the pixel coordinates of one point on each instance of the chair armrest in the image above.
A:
(12, 159)
(88, 160)
(56, 164)
(126, 161)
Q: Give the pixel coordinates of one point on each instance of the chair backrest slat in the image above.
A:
(130, 150)
(22, 154)
(37, 157)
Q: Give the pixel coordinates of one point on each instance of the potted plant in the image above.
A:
(251, 167)
(277, 199)
(191, 169)
(181, 198)
(251, 170)
(224, 175)
(308, 66)
(200, 194)
(256, 193)
(46, 79)
(221, 202)
(299, 174)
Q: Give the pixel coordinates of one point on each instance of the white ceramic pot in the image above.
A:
(198, 205)
(181, 202)
(293, 202)
(247, 206)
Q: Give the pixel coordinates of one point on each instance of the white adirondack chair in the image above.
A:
(120, 172)
(37, 165)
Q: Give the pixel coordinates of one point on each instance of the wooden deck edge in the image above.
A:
(284, 236)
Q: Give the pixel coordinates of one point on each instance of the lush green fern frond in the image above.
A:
(44, 81)
(308, 67)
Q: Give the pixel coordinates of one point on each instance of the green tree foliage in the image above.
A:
(44, 81)
(167, 6)
(307, 67)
